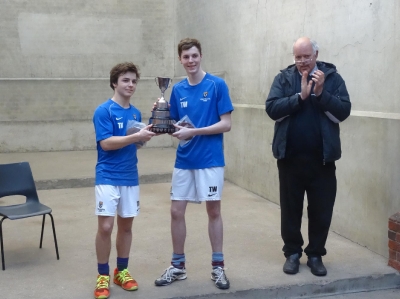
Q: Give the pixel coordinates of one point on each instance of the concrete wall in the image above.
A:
(55, 60)
(252, 40)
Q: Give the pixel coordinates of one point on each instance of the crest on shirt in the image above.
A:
(205, 98)
(134, 116)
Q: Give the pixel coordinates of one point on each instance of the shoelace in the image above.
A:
(102, 282)
(167, 274)
(220, 275)
(124, 276)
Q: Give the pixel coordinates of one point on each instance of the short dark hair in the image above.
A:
(120, 69)
(187, 43)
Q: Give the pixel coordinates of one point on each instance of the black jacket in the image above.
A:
(334, 104)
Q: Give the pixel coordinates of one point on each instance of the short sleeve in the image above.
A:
(223, 99)
(103, 125)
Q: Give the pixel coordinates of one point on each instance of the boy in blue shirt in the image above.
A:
(117, 180)
(198, 174)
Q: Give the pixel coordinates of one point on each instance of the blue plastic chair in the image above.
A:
(17, 179)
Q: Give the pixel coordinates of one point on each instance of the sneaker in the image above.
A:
(102, 290)
(221, 281)
(124, 280)
(170, 275)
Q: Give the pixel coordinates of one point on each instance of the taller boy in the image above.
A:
(198, 174)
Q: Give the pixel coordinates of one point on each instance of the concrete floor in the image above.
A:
(252, 243)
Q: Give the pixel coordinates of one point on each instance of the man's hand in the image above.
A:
(145, 134)
(183, 133)
(319, 79)
(305, 86)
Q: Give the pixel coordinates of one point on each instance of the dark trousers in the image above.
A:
(298, 176)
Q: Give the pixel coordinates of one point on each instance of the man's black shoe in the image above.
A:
(292, 263)
(316, 265)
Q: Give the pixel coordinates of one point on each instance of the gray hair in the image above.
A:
(314, 45)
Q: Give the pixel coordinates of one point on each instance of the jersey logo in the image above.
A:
(184, 104)
(134, 116)
(118, 118)
(204, 98)
(181, 99)
(120, 125)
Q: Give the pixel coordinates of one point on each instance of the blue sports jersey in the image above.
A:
(116, 167)
(203, 103)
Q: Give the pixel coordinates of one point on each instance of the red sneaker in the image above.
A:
(102, 290)
(124, 280)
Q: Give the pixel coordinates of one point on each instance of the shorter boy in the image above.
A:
(117, 180)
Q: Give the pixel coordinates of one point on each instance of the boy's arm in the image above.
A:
(224, 125)
(117, 142)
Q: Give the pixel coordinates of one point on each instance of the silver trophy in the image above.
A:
(160, 119)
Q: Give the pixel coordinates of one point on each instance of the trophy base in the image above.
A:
(162, 125)
(163, 130)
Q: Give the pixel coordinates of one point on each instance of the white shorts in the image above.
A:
(123, 199)
(197, 184)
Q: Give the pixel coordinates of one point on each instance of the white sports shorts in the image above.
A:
(123, 199)
(197, 185)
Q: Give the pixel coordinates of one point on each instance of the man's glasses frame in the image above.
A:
(303, 60)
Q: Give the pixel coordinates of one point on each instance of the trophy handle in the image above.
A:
(155, 79)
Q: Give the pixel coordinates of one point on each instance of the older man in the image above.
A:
(307, 100)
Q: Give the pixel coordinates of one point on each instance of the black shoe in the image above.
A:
(292, 263)
(316, 265)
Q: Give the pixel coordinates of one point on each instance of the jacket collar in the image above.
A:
(325, 67)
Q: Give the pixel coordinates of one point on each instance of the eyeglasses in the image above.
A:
(302, 61)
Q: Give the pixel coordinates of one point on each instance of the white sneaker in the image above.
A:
(221, 281)
(170, 275)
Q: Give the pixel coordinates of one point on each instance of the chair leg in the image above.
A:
(54, 235)
(1, 241)
(41, 235)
